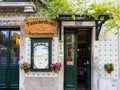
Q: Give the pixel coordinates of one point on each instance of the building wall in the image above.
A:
(108, 53)
(118, 53)
(33, 80)
(119, 60)
(40, 80)
(103, 51)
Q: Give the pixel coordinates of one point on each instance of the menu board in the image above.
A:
(41, 56)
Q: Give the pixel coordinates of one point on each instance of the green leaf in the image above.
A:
(73, 17)
(83, 7)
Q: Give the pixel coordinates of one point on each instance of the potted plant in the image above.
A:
(25, 66)
(109, 67)
(56, 67)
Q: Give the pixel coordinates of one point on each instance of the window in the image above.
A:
(41, 54)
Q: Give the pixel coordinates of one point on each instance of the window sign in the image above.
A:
(41, 54)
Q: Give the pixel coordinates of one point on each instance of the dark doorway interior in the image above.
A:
(83, 69)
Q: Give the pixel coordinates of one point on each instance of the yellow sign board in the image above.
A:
(41, 27)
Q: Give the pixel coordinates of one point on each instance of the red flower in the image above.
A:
(58, 69)
(55, 67)
(25, 65)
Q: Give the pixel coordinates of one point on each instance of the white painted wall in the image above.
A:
(108, 53)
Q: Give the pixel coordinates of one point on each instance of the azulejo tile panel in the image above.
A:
(108, 52)
(54, 59)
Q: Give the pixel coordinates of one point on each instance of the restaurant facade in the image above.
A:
(63, 54)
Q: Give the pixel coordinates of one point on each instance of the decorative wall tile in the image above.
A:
(21, 16)
(54, 50)
(28, 49)
(108, 52)
(41, 74)
(54, 59)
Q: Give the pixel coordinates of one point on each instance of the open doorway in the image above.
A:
(83, 60)
(77, 60)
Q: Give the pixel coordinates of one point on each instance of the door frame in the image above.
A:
(94, 49)
(75, 32)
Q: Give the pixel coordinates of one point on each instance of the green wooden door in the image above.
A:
(70, 61)
(9, 58)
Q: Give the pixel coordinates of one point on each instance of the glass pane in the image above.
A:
(3, 43)
(14, 55)
(3, 55)
(70, 49)
(15, 38)
(41, 55)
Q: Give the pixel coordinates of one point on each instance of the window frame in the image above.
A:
(43, 40)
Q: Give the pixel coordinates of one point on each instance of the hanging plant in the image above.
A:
(25, 66)
(109, 67)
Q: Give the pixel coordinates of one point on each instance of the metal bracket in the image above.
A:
(98, 28)
(99, 24)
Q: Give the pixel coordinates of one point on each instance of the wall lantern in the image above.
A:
(28, 9)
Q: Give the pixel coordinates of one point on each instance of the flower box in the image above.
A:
(25, 66)
(109, 67)
(55, 67)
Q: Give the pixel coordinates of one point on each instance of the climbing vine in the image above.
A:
(54, 8)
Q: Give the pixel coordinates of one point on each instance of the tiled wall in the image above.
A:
(14, 20)
(54, 59)
(107, 49)
(108, 52)
(21, 16)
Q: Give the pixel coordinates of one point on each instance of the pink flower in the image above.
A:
(58, 64)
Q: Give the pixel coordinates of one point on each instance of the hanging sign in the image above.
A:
(41, 27)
